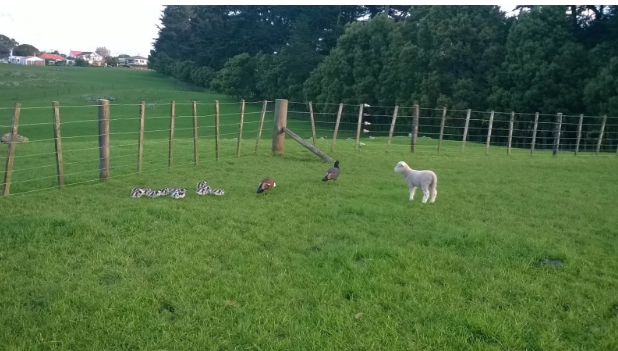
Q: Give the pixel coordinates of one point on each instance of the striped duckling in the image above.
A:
(203, 188)
(332, 173)
(153, 193)
(265, 184)
(179, 193)
(218, 192)
(139, 192)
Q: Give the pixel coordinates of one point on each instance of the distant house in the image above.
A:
(27, 60)
(53, 59)
(136, 62)
(91, 57)
(74, 53)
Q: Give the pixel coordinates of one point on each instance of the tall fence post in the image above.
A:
(417, 116)
(579, 133)
(281, 119)
(58, 144)
(103, 139)
(332, 145)
(257, 141)
(171, 144)
(442, 129)
(601, 134)
(140, 142)
(508, 149)
(491, 122)
(390, 133)
(557, 134)
(465, 133)
(217, 130)
(195, 134)
(8, 170)
(312, 124)
(240, 124)
(536, 124)
(358, 128)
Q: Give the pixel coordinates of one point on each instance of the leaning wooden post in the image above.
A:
(307, 145)
(491, 122)
(579, 133)
(442, 129)
(8, 171)
(257, 142)
(601, 134)
(171, 143)
(332, 145)
(281, 119)
(58, 144)
(557, 134)
(240, 124)
(508, 149)
(103, 139)
(140, 142)
(417, 116)
(536, 124)
(390, 133)
(312, 123)
(465, 133)
(358, 128)
(195, 135)
(217, 130)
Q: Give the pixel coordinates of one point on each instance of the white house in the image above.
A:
(91, 57)
(27, 60)
(136, 61)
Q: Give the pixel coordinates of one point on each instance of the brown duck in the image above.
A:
(266, 184)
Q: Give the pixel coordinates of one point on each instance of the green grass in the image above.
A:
(309, 265)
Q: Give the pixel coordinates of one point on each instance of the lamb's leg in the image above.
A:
(425, 194)
(434, 193)
(412, 191)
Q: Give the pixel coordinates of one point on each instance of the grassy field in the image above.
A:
(309, 265)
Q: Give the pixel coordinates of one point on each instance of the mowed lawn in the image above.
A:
(308, 265)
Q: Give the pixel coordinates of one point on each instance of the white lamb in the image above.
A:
(426, 180)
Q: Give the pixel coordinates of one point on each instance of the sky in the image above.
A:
(128, 27)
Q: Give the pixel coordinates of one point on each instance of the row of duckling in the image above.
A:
(176, 193)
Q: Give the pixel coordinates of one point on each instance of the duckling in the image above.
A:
(153, 193)
(201, 184)
(165, 191)
(218, 192)
(138, 192)
(265, 184)
(179, 193)
(204, 190)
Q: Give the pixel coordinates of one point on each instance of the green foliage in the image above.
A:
(6, 44)
(237, 78)
(25, 50)
(601, 93)
(80, 62)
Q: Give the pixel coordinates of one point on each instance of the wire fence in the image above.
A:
(69, 145)
(421, 129)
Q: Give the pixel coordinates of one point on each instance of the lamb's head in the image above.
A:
(401, 166)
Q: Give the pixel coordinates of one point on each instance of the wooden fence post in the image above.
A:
(442, 129)
(307, 145)
(217, 130)
(358, 128)
(312, 123)
(601, 134)
(195, 134)
(58, 144)
(508, 149)
(171, 144)
(579, 133)
(536, 123)
(103, 139)
(557, 134)
(417, 116)
(8, 171)
(140, 142)
(281, 119)
(465, 133)
(390, 133)
(257, 142)
(332, 146)
(491, 122)
(240, 124)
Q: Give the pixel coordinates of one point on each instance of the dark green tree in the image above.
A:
(25, 50)
(6, 44)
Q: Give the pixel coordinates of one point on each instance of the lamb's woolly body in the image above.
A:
(426, 180)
